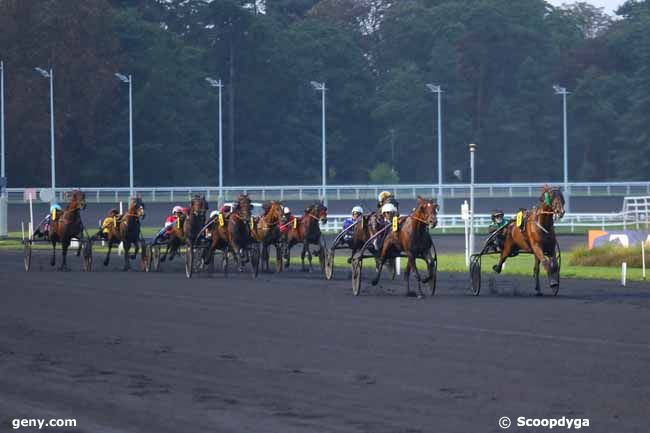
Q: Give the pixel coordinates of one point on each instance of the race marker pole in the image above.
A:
(472, 150)
(4, 199)
(217, 83)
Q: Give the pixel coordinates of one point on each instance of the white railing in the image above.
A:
(482, 221)
(350, 192)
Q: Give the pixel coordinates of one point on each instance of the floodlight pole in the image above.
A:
(3, 180)
(562, 91)
(472, 150)
(321, 87)
(129, 80)
(50, 74)
(438, 90)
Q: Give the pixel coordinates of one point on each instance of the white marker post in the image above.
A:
(623, 273)
(398, 266)
(643, 258)
(120, 247)
(464, 213)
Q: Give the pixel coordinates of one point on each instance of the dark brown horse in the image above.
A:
(238, 230)
(413, 239)
(68, 226)
(126, 229)
(306, 230)
(187, 228)
(266, 231)
(537, 236)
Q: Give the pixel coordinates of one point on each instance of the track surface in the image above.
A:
(134, 352)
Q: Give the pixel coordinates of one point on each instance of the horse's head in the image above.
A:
(552, 200)
(77, 199)
(275, 212)
(427, 210)
(136, 207)
(244, 207)
(319, 211)
(557, 202)
(198, 206)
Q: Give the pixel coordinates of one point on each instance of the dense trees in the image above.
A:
(495, 59)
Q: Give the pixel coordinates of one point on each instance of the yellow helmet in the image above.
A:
(384, 195)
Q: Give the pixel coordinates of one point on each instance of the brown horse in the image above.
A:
(266, 231)
(68, 226)
(238, 230)
(306, 230)
(187, 228)
(126, 229)
(537, 236)
(413, 239)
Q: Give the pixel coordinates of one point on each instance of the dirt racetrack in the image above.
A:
(135, 352)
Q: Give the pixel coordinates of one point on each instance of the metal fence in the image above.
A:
(349, 192)
(573, 221)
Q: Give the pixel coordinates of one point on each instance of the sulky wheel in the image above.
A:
(87, 253)
(145, 257)
(357, 264)
(475, 274)
(28, 255)
(433, 271)
(255, 260)
(554, 271)
(322, 254)
(329, 265)
(155, 258)
(189, 261)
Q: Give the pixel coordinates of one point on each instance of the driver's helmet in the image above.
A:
(357, 209)
(55, 206)
(383, 196)
(286, 210)
(226, 208)
(388, 207)
(177, 209)
(114, 212)
(214, 214)
(497, 215)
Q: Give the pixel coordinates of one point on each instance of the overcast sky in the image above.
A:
(609, 5)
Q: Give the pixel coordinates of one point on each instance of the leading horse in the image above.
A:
(537, 236)
(413, 239)
(68, 226)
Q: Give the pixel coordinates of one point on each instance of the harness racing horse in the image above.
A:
(306, 230)
(267, 232)
(413, 239)
(239, 230)
(126, 229)
(537, 236)
(68, 226)
(187, 228)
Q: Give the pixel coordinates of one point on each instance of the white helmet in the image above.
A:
(286, 210)
(388, 207)
(357, 209)
(177, 209)
(214, 213)
(383, 196)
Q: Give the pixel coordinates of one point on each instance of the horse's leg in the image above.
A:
(382, 260)
(127, 247)
(53, 260)
(287, 253)
(302, 255)
(536, 275)
(136, 244)
(108, 254)
(164, 256)
(507, 247)
(412, 264)
(64, 253)
(429, 261)
(309, 257)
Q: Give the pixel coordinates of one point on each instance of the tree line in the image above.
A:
(495, 60)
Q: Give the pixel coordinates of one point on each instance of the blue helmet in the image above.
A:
(55, 206)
